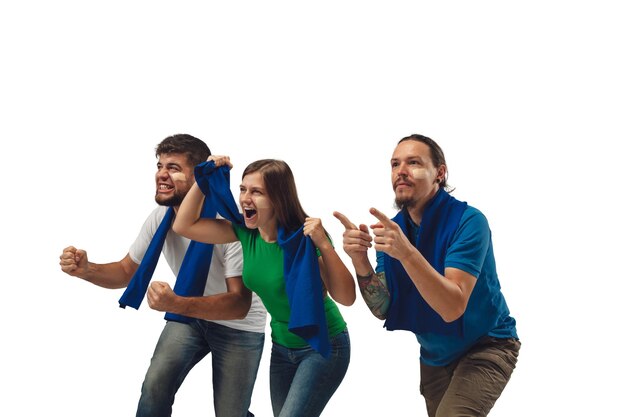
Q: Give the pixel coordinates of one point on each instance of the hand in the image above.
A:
(160, 296)
(389, 238)
(220, 160)
(313, 228)
(356, 240)
(73, 261)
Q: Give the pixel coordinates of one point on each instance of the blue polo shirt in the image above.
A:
(487, 314)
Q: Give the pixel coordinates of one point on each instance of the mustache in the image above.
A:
(402, 179)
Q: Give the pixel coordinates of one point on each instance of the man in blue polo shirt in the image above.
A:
(436, 277)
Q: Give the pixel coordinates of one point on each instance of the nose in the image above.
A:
(402, 170)
(244, 196)
(162, 173)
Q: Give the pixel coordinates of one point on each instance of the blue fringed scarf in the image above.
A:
(408, 310)
(192, 276)
(303, 282)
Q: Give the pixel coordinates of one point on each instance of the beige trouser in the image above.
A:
(471, 385)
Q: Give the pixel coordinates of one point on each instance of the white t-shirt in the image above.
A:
(227, 262)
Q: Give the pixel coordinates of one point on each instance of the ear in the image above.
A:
(441, 173)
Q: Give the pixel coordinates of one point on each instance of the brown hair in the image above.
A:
(280, 186)
(436, 154)
(196, 150)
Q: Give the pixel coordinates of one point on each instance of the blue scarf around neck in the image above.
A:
(303, 282)
(408, 310)
(192, 276)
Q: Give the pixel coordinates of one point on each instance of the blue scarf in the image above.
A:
(303, 282)
(408, 310)
(192, 276)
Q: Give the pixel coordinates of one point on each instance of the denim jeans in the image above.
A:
(235, 361)
(302, 381)
(470, 385)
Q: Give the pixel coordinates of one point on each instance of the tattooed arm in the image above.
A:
(373, 287)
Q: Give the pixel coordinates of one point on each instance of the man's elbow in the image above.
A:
(243, 308)
(241, 314)
(453, 314)
(380, 316)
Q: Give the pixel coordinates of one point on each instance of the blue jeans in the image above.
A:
(236, 355)
(302, 381)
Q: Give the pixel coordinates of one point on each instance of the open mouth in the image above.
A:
(165, 187)
(249, 213)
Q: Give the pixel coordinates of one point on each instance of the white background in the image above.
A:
(527, 100)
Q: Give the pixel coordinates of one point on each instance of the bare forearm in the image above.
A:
(189, 224)
(226, 306)
(337, 277)
(112, 275)
(374, 290)
(442, 294)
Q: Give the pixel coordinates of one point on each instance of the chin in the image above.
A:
(168, 202)
(248, 223)
(404, 203)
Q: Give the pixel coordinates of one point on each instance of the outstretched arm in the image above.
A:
(112, 275)
(373, 287)
(356, 242)
(447, 294)
(374, 290)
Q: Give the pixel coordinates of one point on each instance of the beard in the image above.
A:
(172, 201)
(402, 203)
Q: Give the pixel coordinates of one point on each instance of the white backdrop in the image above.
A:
(527, 101)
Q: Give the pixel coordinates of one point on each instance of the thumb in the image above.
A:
(80, 255)
(156, 285)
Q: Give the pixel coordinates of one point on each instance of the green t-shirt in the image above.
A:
(263, 274)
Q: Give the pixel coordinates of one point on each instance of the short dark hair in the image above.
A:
(196, 150)
(436, 154)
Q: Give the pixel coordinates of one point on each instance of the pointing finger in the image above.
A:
(344, 220)
(384, 220)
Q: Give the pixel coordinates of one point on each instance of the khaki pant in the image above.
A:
(471, 385)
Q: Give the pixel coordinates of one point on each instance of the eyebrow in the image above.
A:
(253, 188)
(410, 157)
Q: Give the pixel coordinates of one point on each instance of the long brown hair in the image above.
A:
(280, 186)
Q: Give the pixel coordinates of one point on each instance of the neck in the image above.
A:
(269, 234)
(269, 231)
(416, 212)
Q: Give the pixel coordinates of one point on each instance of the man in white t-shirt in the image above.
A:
(229, 320)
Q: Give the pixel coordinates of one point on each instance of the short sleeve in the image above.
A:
(139, 247)
(470, 243)
(233, 259)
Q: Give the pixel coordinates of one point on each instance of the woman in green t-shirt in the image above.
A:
(301, 379)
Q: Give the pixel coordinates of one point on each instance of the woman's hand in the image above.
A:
(313, 228)
(220, 160)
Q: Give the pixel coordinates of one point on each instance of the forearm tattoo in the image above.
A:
(374, 290)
